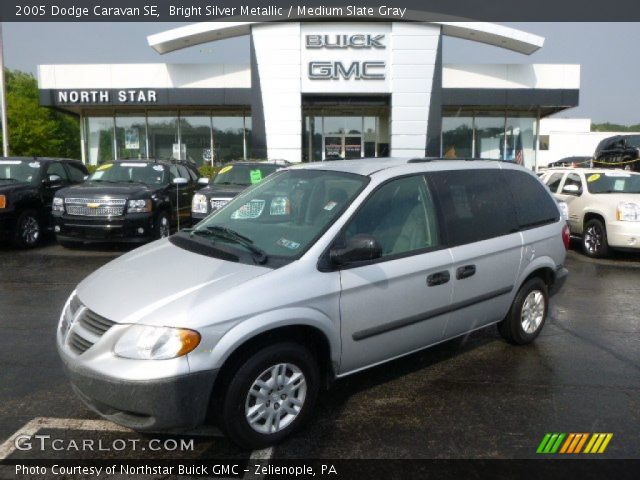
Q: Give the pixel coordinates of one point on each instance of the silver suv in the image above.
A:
(316, 273)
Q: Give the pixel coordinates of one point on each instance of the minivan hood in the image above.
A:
(134, 287)
(103, 189)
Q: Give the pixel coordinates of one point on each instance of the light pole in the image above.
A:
(3, 101)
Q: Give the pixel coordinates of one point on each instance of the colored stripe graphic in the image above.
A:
(573, 443)
(550, 443)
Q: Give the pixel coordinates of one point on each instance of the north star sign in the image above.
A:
(97, 97)
(335, 70)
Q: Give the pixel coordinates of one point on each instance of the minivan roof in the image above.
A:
(369, 166)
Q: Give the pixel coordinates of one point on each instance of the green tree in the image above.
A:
(36, 130)
(614, 127)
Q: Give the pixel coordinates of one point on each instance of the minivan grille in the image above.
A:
(95, 323)
(78, 344)
(87, 328)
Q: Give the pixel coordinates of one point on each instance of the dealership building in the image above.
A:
(314, 91)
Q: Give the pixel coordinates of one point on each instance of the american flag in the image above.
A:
(519, 156)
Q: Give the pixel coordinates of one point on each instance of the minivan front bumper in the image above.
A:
(160, 405)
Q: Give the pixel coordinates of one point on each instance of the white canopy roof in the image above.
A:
(489, 33)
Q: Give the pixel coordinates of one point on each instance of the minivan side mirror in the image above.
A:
(52, 180)
(571, 189)
(180, 181)
(359, 248)
(203, 181)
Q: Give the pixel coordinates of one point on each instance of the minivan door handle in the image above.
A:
(438, 278)
(465, 271)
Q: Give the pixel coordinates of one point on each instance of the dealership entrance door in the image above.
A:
(343, 147)
(332, 132)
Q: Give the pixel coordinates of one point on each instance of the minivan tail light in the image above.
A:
(566, 237)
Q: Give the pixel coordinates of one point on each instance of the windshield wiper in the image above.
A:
(11, 179)
(226, 233)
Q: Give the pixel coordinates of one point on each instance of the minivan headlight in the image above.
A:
(628, 212)
(199, 203)
(142, 342)
(58, 204)
(139, 206)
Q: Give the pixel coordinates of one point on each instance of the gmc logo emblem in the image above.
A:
(337, 70)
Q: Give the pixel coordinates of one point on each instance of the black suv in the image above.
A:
(232, 179)
(126, 201)
(619, 151)
(27, 188)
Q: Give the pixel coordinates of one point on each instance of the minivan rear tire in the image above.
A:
(238, 401)
(527, 314)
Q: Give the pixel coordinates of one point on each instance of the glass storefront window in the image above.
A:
(521, 134)
(163, 136)
(228, 138)
(247, 137)
(99, 139)
(457, 137)
(489, 138)
(131, 136)
(195, 137)
(369, 136)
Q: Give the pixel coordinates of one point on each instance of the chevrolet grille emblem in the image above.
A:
(93, 205)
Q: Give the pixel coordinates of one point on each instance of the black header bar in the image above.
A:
(323, 10)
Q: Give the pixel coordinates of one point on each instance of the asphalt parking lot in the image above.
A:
(474, 397)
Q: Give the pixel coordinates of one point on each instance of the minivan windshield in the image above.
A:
(131, 172)
(19, 171)
(613, 182)
(282, 216)
(243, 175)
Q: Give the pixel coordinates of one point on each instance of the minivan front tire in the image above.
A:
(270, 396)
(528, 313)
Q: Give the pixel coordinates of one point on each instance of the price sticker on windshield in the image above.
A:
(617, 174)
(593, 177)
(256, 176)
(225, 169)
(104, 167)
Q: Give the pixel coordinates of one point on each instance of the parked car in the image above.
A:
(232, 179)
(619, 151)
(603, 206)
(318, 272)
(27, 187)
(126, 201)
(582, 161)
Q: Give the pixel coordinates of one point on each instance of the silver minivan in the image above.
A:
(318, 272)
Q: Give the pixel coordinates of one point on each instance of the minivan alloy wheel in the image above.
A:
(532, 311)
(275, 398)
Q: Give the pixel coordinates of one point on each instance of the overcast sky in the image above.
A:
(609, 75)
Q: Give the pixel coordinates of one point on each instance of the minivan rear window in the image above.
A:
(476, 205)
(534, 205)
